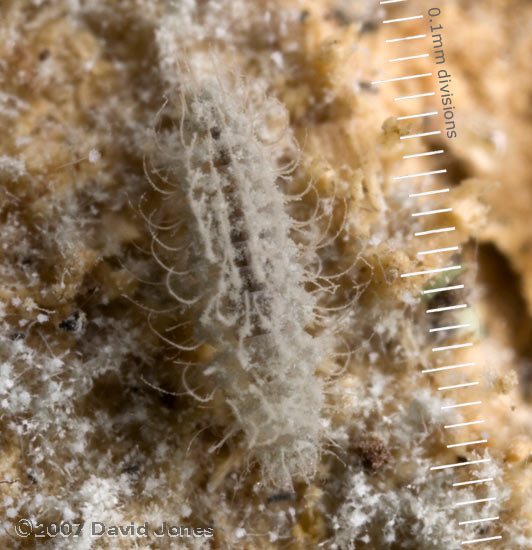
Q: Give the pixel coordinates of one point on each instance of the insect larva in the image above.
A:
(222, 234)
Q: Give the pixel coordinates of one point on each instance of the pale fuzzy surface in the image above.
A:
(321, 437)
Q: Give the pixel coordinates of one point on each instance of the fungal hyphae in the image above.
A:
(222, 234)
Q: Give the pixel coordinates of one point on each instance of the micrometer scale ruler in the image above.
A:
(406, 50)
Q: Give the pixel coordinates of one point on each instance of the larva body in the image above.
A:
(240, 272)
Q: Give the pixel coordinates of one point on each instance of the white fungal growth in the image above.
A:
(94, 156)
(413, 507)
(422, 511)
(222, 234)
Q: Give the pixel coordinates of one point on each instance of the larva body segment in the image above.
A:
(239, 271)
